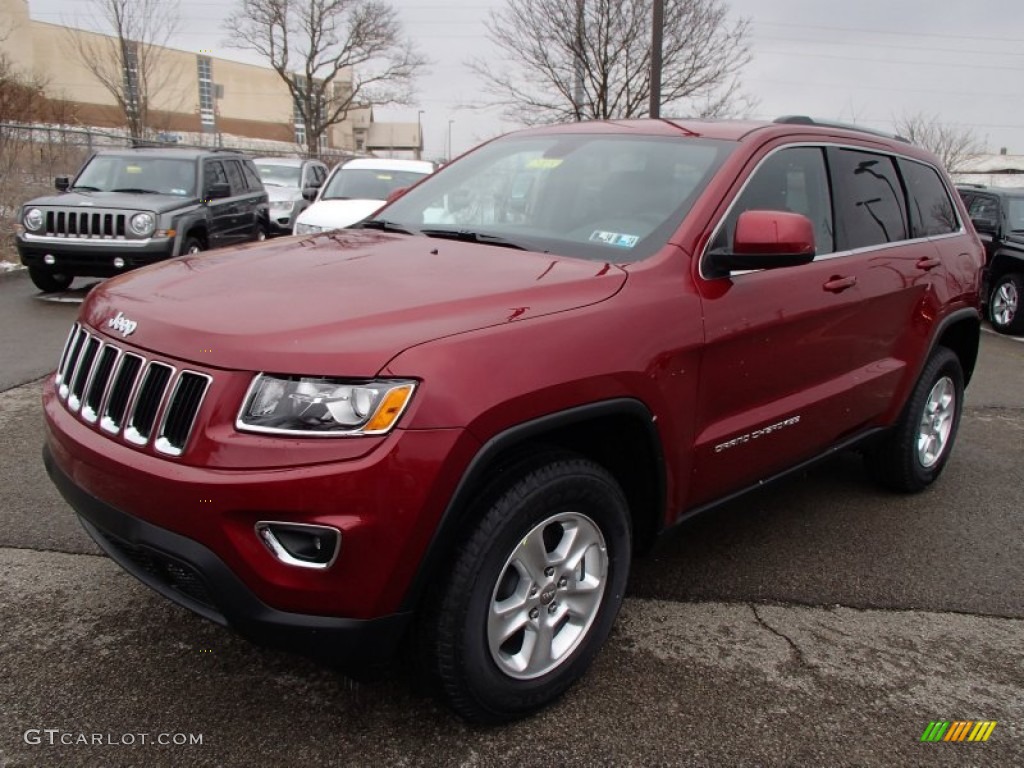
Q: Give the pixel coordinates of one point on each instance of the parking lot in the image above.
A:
(819, 622)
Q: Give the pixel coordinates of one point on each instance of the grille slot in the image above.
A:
(181, 412)
(131, 397)
(147, 403)
(121, 392)
(82, 373)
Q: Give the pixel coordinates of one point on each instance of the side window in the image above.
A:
(931, 210)
(793, 180)
(869, 200)
(238, 186)
(985, 208)
(213, 173)
(251, 177)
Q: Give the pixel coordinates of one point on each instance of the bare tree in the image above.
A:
(128, 61)
(315, 45)
(591, 59)
(953, 146)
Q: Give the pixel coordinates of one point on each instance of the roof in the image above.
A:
(387, 164)
(183, 153)
(293, 162)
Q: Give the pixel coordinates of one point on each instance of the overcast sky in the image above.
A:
(856, 60)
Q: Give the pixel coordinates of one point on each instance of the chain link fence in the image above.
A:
(31, 155)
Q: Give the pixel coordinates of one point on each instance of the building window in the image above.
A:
(298, 118)
(207, 94)
(131, 78)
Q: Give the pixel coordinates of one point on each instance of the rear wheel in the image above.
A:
(915, 453)
(49, 282)
(1004, 310)
(534, 590)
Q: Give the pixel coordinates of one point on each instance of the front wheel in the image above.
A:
(49, 282)
(1004, 310)
(917, 449)
(534, 590)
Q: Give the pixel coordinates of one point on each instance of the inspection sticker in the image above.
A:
(615, 239)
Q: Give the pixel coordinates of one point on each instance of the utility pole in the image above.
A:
(657, 24)
(577, 91)
(449, 158)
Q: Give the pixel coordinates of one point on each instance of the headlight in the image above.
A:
(281, 205)
(143, 224)
(310, 229)
(322, 407)
(33, 219)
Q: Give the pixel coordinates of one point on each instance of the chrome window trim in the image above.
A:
(834, 254)
(167, 409)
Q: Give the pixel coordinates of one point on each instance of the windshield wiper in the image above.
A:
(469, 236)
(137, 191)
(85, 188)
(386, 226)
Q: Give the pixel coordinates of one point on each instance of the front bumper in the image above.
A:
(191, 575)
(91, 257)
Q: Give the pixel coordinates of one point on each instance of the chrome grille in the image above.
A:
(92, 224)
(142, 401)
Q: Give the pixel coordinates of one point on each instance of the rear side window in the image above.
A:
(238, 186)
(931, 210)
(869, 199)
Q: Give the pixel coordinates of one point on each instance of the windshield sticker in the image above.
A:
(544, 162)
(614, 239)
(133, 169)
(383, 177)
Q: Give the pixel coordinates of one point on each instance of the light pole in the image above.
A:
(419, 127)
(448, 159)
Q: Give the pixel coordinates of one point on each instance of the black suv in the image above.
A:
(132, 207)
(998, 215)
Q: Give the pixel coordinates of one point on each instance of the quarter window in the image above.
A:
(869, 199)
(931, 210)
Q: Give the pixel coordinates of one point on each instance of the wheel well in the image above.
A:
(199, 233)
(1003, 264)
(962, 338)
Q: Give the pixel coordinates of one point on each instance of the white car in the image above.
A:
(356, 189)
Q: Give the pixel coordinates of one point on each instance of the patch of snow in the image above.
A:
(9, 266)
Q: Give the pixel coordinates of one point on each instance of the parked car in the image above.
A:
(482, 402)
(356, 189)
(998, 216)
(128, 208)
(291, 184)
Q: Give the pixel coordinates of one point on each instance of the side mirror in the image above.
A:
(62, 183)
(394, 194)
(766, 240)
(218, 189)
(309, 193)
(988, 226)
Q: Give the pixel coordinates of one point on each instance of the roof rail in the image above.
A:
(805, 120)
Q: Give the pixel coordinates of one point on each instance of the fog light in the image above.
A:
(49, 259)
(119, 262)
(304, 546)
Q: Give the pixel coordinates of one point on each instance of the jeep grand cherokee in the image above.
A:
(465, 417)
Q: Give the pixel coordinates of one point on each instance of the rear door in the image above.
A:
(222, 224)
(244, 220)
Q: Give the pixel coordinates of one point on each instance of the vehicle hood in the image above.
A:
(341, 304)
(290, 194)
(339, 213)
(109, 200)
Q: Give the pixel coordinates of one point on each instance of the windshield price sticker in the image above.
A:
(614, 239)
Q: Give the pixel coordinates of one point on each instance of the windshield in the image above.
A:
(367, 183)
(613, 198)
(275, 175)
(138, 175)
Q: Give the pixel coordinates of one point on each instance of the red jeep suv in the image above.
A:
(465, 415)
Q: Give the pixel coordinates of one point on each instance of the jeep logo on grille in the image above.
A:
(122, 324)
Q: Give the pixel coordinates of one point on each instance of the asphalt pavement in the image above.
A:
(818, 622)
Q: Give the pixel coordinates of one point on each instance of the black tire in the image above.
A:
(1004, 304)
(567, 493)
(192, 245)
(49, 282)
(907, 460)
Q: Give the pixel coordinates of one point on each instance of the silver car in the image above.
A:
(291, 184)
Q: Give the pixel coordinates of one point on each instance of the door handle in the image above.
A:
(927, 263)
(838, 284)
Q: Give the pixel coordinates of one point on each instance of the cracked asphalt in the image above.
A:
(818, 622)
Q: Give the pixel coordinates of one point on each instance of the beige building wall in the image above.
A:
(18, 42)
